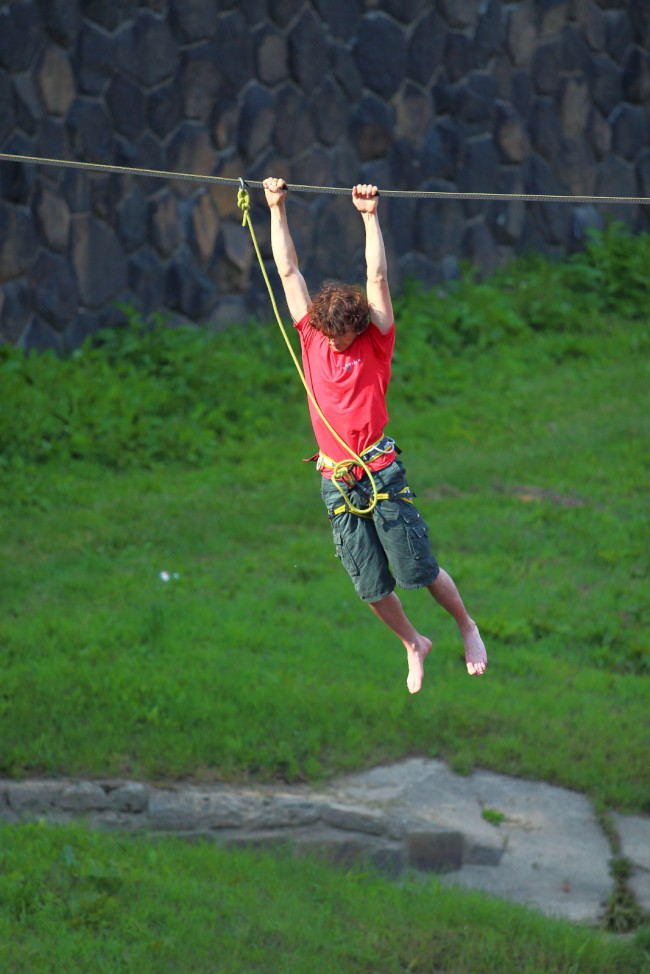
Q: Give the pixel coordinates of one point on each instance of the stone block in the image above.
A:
(231, 310)
(352, 819)
(426, 48)
(439, 225)
(146, 279)
(132, 219)
(413, 112)
(479, 166)
(84, 796)
(643, 172)
(52, 218)
(55, 81)
(607, 83)
(553, 220)
(283, 813)
(380, 52)
(545, 68)
(510, 135)
(164, 223)
(294, 123)
(126, 103)
(191, 151)
(506, 217)
(341, 16)
(165, 109)
(574, 106)
(591, 20)
(546, 129)
(21, 36)
(521, 33)
(146, 50)
(93, 59)
(636, 76)
(129, 797)
(18, 241)
(187, 288)
(308, 52)
(372, 127)
(474, 99)
(53, 289)
(331, 111)
(15, 308)
(629, 131)
(479, 248)
(257, 121)
(89, 129)
(459, 56)
(640, 19)
(62, 20)
(488, 37)
(283, 11)
(203, 226)
(34, 796)
(194, 810)
(27, 107)
(237, 246)
(199, 82)
(599, 133)
(271, 55)
(39, 337)
(616, 177)
(618, 34)
(110, 13)
(98, 260)
(7, 119)
(313, 168)
(194, 20)
(585, 219)
(233, 47)
(460, 13)
(439, 850)
(441, 151)
(574, 53)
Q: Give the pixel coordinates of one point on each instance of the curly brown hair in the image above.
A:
(338, 308)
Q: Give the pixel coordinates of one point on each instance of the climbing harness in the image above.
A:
(333, 190)
(340, 471)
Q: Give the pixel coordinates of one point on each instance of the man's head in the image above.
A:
(340, 312)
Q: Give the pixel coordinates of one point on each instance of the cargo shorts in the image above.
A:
(387, 548)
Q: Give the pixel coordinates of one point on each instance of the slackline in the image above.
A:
(332, 190)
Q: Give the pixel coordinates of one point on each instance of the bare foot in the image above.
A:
(415, 658)
(475, 654)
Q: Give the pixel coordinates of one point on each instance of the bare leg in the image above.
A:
(391, 613)
(446, 594)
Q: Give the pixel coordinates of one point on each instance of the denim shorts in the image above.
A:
(390, 547)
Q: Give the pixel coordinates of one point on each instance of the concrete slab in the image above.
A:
(554, 855)
(634, 833)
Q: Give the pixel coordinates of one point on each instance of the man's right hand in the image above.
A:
(275, 191)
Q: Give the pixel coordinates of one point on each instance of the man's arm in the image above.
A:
(366, 200)
(284, 252)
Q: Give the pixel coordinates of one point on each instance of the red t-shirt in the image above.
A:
(350, 388)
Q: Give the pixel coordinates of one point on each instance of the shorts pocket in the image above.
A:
(416, 532)
(344, 552)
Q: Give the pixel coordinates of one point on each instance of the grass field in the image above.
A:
(77, 903)
(521, 409)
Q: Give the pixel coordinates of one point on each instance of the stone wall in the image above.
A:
(535, 96)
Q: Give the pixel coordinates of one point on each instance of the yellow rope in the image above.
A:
(341, 468)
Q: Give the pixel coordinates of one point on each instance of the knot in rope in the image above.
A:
(243, 201)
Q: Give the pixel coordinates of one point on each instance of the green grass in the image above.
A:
(521, 408)
(258, 660)
(78, 902)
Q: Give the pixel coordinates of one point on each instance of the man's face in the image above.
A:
(340, 343)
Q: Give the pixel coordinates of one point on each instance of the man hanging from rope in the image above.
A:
(347, 339)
